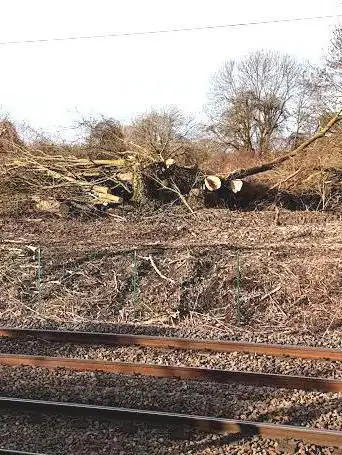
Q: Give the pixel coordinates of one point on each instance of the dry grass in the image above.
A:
(290, 274)
(311, 169)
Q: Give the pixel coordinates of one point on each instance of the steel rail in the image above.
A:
(200, 423)
(17, 452)
(157, 342)
(179, 372)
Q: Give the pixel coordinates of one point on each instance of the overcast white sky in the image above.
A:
(47, 84)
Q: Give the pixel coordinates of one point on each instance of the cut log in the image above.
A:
(169, 162)
(100, 189)
(235, 185)
(111, 163)
(108, 198)
(125, 177)
(212, 183)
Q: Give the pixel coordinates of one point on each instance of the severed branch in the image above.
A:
(278, 185)
(242, 173)
(158, 272)
(174, 189)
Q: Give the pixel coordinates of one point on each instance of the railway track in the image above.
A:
(188, 373)
(200, 423)
(115, 339)
(322, 437)
(17, 452)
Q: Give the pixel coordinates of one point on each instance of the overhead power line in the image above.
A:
(171, 30)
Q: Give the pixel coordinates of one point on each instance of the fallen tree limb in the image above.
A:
(158, 272)
(289, 177)
(242, 173)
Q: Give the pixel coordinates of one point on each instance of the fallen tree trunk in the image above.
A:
(243, 173)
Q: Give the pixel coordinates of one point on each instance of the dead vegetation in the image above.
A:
(159, 257)
(9, 138)
(166, 270)
(57, 183)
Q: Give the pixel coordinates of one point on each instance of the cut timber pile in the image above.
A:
(95, 178)
(94, 184)
(52, 183)
(49, 181)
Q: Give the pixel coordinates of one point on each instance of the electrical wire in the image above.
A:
(172, 30)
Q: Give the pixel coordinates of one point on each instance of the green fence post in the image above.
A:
(238, 285)
(135, 280)
(39, 272)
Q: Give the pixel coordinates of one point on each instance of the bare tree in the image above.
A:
(9, 137)
(322, 93)
(331, 77)
(103, 133)
(334, 58)
(164, 133)
(258, 100)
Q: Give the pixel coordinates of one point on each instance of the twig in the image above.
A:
(174, 189)
(182, 198)
(158, 272)
(33, 311)
(279, 307)
(270, 293)
(286, 179)
(329, 325)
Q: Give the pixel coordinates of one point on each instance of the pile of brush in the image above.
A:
(53, 181)
(58, 182)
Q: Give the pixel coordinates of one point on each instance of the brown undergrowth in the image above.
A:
(291, 273)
